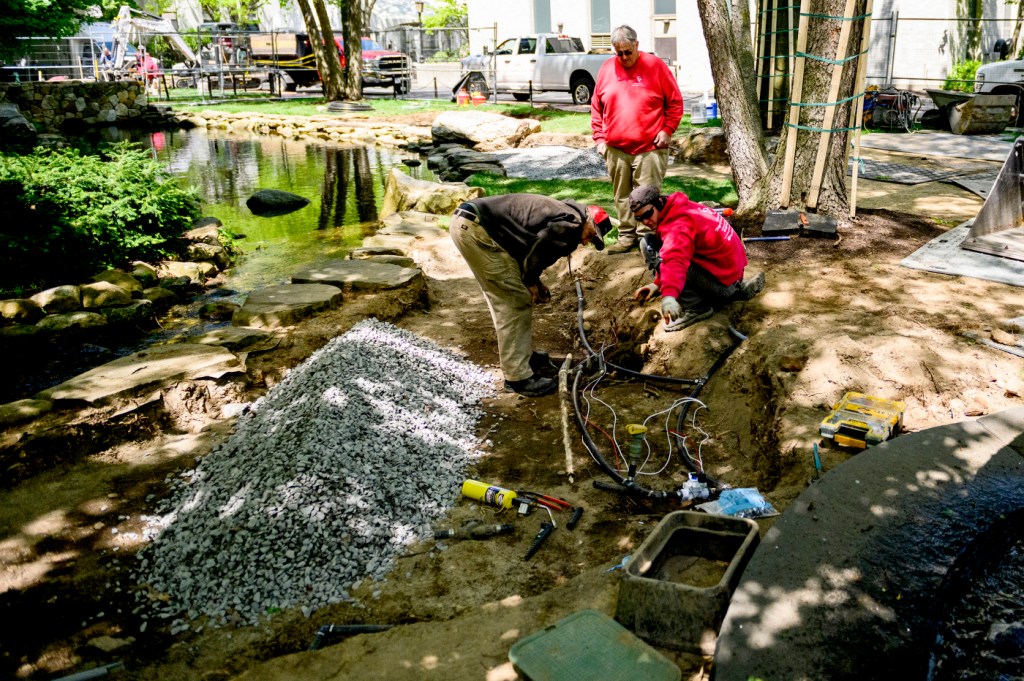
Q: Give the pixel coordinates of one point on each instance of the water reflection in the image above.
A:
(344, 184)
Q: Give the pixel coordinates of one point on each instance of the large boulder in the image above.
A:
(483, 131)
(65, 298)
(270, 203)
(121, 279)
(57, 323)
(139, 313)
(206, 230)
(703, 145)
(15, 130)
(104, 294)
(20, 310)
(406, 193)
(205, 252)
(196, 272)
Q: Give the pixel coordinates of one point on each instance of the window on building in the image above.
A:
(600, 16)
(542, 16)
(664, 7)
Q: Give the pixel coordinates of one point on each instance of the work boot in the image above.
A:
(534, 386)
(689, 318)
(750, 288)
(624, 244)
(541, 363)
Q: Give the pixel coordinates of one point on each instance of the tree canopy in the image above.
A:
(32, 18)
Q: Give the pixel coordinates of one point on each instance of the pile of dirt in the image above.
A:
(835, 316)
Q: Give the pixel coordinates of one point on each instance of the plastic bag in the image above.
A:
(745, 502)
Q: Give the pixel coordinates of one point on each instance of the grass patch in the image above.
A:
(600, 191)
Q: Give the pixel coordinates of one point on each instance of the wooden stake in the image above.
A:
(564, 399)
(794, 111)
(830, 111)
(759, 66)
(862, 70)
(771, 63)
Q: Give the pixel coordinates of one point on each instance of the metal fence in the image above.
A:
(919, 52)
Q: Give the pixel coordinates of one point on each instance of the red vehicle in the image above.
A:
(292, 53)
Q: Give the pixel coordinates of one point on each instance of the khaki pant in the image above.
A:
(508, 299)
(629, 172)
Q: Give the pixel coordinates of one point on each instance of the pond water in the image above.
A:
(344, 184)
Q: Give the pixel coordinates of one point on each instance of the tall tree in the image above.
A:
(352, 35)
(38, 18)
(760, 182)
(325, 51)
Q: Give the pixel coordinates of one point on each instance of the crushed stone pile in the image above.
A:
(551, 163)
(326, 480)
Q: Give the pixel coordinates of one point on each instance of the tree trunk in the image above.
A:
(1016, 30)
(731, 55)
(758, 185)
(352, 34)
(325, 58)
(822, 40)
(332, 78)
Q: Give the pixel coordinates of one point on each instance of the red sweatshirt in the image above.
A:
(694, 233)
(631, 106)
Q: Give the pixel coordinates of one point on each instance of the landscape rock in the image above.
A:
(139, 313)
(237, 339)
(274, 202)
(104, 294)
(215, 253)
(23, 410)
(145, 273)
(71, 320)
(20, 310)
(359, 275)
(15, 130)
(162, 298)
(400, 260)
(702, 145)
(219, 310)
(196, 272)
(369, 252)
(206, 230)
(485, 131)
(411, 223)
(66, 298)
(284, 305)
(404, 193)
(156, 367)
(120, 279)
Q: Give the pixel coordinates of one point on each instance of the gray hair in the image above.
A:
(623, 34)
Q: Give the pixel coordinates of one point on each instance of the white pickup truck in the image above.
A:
(546, 62)
(1003, 78)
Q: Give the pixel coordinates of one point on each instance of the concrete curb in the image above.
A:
(845, 585)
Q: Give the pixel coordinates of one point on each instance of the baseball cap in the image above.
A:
(644, 195)
(601, 221)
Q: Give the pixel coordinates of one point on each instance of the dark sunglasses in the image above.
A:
(624, 53)
(645, 215)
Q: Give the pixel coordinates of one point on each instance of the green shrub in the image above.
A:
(69, 214)
(961, 79)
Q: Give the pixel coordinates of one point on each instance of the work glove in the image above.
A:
(671, 309)
(645, 293)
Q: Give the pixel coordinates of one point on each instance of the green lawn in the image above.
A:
(600, 191)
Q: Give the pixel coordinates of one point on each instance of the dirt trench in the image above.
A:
(835, 316)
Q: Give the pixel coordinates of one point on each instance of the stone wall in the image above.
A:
(54, 106)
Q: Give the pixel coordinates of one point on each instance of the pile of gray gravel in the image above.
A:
(327, 479)
(551, 163)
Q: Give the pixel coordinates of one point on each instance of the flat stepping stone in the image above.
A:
(411, 223)
(285, 305)
(402, 243)
(237, 339)
(23, 410)
(360, 275)
(155, 367)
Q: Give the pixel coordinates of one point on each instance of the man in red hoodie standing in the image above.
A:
(702, 257)
(634, 111)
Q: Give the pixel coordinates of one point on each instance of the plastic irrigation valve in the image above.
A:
(637, 433)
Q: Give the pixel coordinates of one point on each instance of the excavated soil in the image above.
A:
(835, 316)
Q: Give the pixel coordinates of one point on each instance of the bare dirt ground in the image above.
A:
(835, 316)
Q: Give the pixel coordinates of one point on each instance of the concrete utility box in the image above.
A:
(676, 588)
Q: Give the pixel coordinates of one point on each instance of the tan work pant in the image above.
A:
(508, 299)
(629, 172)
